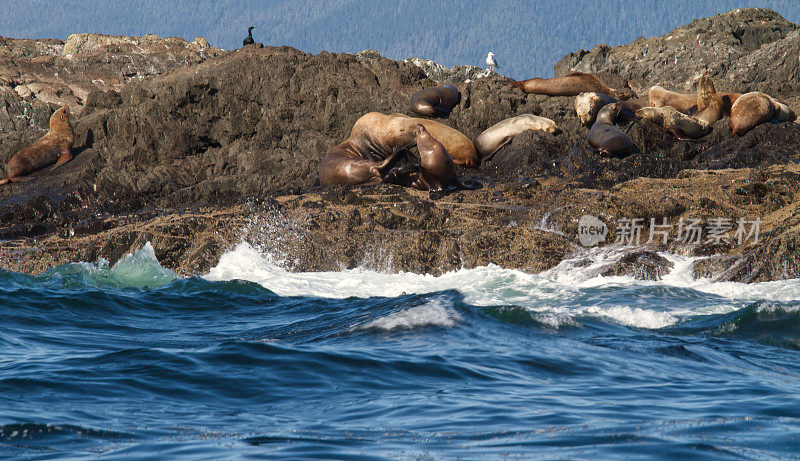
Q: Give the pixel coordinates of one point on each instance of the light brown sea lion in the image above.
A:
(460, 147)
(500, 134)
(435, 102)
(753, 109)
(682, 126)
(571, 84)
(588, 104)
(606, 137)
(709, 103)
(685, 103)
(54, 147)
(437, 168)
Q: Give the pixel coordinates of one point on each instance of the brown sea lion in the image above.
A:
(588, 104)
(437, 168)
(571, 84)
(500, 134)
(435, 102)
(606, 137)
(682, 126)
(709, 103)
(345, 164)
(753, 109)
(54, 147)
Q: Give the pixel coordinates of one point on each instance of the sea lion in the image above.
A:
(753, 109)
(709, 103)
(588, 104)
(54, 147)
(249, 39)
(682, 126)
(685, 103)
(460, 147)
(606, 137)
(345, 164)
(500, 134)
(437, 168)
(435, 102)
(571, 84)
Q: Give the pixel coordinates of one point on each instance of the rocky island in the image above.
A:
(195, 149)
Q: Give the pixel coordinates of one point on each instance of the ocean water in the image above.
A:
(252, 361)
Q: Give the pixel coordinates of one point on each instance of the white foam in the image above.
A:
(555, 297)
(436, 312)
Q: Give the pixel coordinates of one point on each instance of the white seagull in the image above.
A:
(491, 62)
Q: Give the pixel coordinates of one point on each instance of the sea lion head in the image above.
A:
(609, 113)
(651, 114)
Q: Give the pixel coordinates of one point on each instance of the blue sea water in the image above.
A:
(252, 361)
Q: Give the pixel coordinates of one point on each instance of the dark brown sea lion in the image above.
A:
(54, 147)
(709, 104)
(345, 164)
(571, 84)
(435, 102)
(753, 109)
(682, 126)
(437, 168)
(606, 137)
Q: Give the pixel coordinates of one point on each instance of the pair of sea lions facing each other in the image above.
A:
(53, 148)
(435, 102)
(685, 103)
(571, 84)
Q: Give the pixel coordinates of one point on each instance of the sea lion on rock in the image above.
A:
(460, 147)
(606, 137)
(685, 103)
(437, 168)
(54, 147)
(682, 126)
(435, 102)
(753, 109)
(345, 164)
(571, 84)
(709, 103)
(588, 104)
(500, 134)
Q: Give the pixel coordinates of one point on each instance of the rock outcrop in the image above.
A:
(193, 149)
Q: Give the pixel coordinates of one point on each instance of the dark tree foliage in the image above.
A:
(527, 37)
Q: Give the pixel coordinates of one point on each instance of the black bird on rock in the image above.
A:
(249, 39)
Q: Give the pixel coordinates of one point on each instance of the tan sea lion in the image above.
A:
(435, 102)
(681, 126)
(437, 168)
(685, 103)
(606, 137)
(571, 84)
(500, 134)
(460, 147)
(753, 109)
(709, 104)
(54, 147)
(588, 104)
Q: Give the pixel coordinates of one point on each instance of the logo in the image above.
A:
(591, 230)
